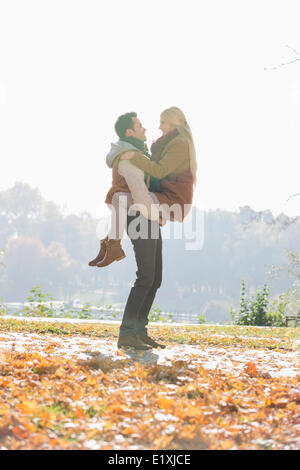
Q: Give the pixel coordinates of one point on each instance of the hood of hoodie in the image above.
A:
(116, 149)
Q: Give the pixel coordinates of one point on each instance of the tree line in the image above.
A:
(43, 246)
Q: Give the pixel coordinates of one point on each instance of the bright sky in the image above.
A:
(68, 69)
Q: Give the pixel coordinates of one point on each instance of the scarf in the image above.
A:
(139, 144)
(152, 183)
(158, 146)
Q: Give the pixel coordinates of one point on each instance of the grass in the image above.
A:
(251, 336)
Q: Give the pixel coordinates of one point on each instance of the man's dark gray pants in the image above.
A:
(148, 255)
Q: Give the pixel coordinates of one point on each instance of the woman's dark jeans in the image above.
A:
(148, 255)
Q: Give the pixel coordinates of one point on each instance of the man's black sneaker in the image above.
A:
(146, 339)
(132, 341)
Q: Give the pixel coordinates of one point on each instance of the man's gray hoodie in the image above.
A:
(120, 147)
(116, 149)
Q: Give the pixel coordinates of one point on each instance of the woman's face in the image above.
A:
(165, 127)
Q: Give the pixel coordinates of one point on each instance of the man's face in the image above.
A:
(138, 131)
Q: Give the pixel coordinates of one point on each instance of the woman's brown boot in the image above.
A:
(101, 253)
(113, 253)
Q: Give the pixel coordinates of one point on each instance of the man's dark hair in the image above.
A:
(123, 123)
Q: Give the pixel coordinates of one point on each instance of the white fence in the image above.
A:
(105, 312)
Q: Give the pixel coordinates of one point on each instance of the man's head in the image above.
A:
(128, 125)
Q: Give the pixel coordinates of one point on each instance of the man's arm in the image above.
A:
(174, 158)
(139, 191)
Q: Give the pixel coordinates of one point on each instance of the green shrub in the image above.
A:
(276, 312)
(85, 312)
(256, 310)
(287, 303)
(201, 319)
(4, 310)
(38, 307)
(155, 315)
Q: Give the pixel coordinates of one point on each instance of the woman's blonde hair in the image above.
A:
(175, 117)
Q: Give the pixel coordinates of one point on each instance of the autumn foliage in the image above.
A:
(96, 397)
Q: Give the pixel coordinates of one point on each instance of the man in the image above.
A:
(147, 250)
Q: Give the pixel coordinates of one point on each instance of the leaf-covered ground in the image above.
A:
(65, 385)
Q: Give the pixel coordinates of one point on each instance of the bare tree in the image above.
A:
(293, 195)
(296, 59)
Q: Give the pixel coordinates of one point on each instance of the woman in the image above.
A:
(173, 162)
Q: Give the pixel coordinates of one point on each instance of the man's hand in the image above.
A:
(126, 155)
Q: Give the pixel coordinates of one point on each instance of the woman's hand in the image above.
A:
(126, 155)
